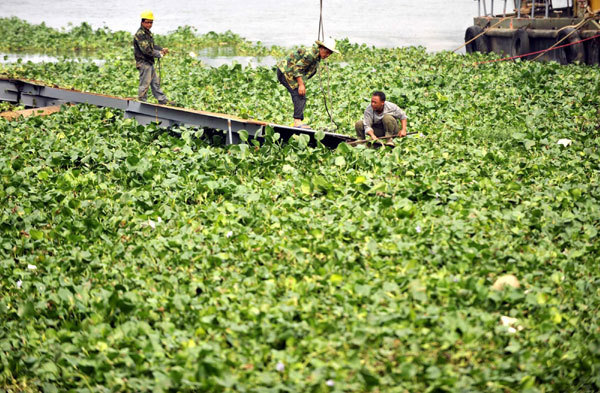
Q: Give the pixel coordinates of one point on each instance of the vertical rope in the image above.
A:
(159, 72)
(321, 33)
(321, 37)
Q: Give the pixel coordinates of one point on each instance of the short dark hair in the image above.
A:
(379, 94)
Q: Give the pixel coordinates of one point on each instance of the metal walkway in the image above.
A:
(35, 94)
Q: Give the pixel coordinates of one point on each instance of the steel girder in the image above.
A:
(36, 95)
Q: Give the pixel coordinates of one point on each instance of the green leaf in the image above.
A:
(319, 135)
(36, 234)
(379, 187)
(243, 134)
(336, 278)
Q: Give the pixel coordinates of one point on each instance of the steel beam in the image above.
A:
(33, 94)
(9, 91)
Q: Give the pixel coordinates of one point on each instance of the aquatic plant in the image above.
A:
(132, 259)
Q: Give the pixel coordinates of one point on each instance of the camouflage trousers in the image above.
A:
(149, 79)
(387, 127)
(298, 101)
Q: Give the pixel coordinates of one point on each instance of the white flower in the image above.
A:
(31, 267)
(512, 330)
(159, 220)
(422, 135)
(152, 224)
(330, 382)
(192, 54)
(565, 142)
(229, 234)
(280, 366)
(19, 283)
(437, 194)
(418, 229)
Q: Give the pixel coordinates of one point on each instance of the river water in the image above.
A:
(434, 24)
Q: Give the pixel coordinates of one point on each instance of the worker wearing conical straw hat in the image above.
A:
(297, 68)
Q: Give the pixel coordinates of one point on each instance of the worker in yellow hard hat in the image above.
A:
(145, 51)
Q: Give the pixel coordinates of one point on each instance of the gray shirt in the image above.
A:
(389, 108)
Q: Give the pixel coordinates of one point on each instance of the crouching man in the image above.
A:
(381, 119)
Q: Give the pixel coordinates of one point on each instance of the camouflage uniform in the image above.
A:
(145, 51)
(302, 63)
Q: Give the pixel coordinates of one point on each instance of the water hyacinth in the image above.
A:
(331, 273)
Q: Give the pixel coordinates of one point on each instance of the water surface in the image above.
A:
(434, 24)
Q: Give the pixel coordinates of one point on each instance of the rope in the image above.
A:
(328, 94)
(537, 52)
(480, 34)
(379, 139)
(321, 33)
(159, 72)
(321, 37)
(576, 27)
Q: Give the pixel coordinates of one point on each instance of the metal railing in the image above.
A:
(518, 6)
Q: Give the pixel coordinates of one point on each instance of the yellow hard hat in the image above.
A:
(148, 15)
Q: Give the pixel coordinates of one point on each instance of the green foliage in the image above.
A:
(19, 35)
(133, 260)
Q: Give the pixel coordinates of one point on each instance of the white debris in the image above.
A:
(159, 220)
(31, 267)
(510, 323)
(418, 229)
(229, 234)
(280, 366)
(19, 284)
(151, 223)
(192, 54)
(565, 142)
(330, 383)
(508, 280)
